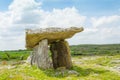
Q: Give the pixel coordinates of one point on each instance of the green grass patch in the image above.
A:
(91, 62)
(17, 55)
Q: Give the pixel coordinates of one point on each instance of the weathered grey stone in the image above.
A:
(116, 61)
(33, 37)
(73, 72)
(40, 56)
(61, 54)
(29, 59)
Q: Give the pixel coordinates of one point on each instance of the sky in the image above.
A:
(99, 18)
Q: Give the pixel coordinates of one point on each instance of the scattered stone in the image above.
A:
(29, 59)
(7, 67)
(117, 68)
(115, 61)
(11, 67)
(72, 72)
(66, 72)
(18, 63)
(78, 62)
(61, 71)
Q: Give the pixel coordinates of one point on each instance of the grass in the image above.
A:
(14, 55)
(92, 65)
(88, 68)
(109, 49)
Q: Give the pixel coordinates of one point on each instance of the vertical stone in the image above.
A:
(40, 56)
(60, 54)
(54, 52)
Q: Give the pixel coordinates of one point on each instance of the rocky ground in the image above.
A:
(85, 68)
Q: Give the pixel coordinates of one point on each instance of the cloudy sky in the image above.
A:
(100, 19)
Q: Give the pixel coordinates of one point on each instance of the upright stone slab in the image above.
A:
(40, 56)
(61, 54)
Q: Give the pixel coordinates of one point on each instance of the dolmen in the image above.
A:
(42, 41)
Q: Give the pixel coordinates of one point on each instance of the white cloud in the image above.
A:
(104, 29)
(23, 5)
(28, 14)
(63, 18)
(104, 20)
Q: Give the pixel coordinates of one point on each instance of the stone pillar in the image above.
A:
(61, 54)
(40, 56)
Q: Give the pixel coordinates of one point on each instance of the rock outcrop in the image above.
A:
(40, 39)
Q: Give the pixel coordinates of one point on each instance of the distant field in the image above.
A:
(91, 62)
(14, 55)
(109, 49)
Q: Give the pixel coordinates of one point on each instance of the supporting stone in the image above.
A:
(40, 56)
(60, 54)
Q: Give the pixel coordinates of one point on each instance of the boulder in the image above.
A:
(33, 37)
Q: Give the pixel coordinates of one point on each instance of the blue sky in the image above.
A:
(4, 4)
(85, 7)
(100, 19)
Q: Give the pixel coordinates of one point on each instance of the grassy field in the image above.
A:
(10, 55)
(90, 62)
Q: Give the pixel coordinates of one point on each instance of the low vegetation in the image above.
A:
(14, 55)
(90, 62)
